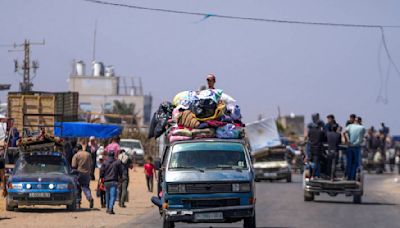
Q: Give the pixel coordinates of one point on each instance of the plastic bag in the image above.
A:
(214, 94)
(234, 112)
(218, 112)
(229, 131)
(204, 108)
(185, 98)
(227, 99)
(160, 119)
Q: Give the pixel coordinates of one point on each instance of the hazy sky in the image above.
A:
(303, 69)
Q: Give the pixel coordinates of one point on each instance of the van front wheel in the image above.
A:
(250, 222)
(166, 223)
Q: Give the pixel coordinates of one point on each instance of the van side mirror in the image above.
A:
(157, 164)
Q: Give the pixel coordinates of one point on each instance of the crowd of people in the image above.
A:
(324, 142)
(114, 165)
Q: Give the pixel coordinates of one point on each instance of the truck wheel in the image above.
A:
(166, 223)
(308, 196)
(357, 199)
(289, 179)
(250, 222)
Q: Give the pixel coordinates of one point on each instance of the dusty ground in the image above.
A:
(52, 216)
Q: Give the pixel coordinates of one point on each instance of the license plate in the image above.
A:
(270, 174)
(39, 195)
(209, 216)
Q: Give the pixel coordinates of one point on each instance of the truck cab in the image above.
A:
(207, 181)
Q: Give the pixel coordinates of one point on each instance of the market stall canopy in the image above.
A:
(85, 130)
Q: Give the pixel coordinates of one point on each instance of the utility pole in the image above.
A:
(26, 85)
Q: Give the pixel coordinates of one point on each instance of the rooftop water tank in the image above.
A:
(80, 68)
(110, 72)
(98, 69)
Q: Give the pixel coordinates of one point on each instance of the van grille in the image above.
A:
(207, 203)
(208, 188)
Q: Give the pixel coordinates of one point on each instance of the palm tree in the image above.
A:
(126, 110)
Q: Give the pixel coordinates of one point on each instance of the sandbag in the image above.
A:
(229, 131)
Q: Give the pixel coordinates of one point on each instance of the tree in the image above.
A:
(125, 110)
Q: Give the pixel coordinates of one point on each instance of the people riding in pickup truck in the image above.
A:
(211, 81)
(354, 135)
(316, 137)
(334, 139)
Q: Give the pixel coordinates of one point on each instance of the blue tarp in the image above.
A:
(85, 130)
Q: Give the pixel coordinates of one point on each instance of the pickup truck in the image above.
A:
(206, 181)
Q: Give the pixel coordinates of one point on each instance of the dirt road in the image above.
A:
(56, 216)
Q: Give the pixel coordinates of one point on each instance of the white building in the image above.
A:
(99, 90)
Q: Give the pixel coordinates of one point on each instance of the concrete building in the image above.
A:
(293, 123)
(99, 89)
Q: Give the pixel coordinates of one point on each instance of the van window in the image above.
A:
(208, 155)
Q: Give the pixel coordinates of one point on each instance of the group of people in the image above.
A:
(324, 160)
(113, 176)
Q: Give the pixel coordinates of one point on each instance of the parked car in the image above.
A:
(41, 178)
(206, 181)
(134, 148)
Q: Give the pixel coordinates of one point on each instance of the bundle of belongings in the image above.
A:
(198, 114)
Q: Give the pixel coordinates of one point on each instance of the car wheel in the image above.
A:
(289, 179)
(72, 207)
(357, 199)
(250, 222)
(308, 196)
(10, 207)
(166, 223)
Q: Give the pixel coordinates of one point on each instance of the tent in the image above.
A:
(85, 130)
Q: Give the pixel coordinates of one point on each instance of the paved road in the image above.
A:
(281, 204)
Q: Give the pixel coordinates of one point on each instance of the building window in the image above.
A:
(108, 106)
(85, 107)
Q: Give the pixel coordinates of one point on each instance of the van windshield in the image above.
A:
(208, 155)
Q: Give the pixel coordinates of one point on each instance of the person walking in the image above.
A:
(101, 189)
(113, 146)
(112, 172)
(149, 171)
(82, 162)
(92, 148)
(126, 163)
(354, 136)
(351, 120)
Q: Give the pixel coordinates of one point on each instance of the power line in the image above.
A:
(208, 15)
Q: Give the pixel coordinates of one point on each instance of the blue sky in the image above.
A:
(303, 69)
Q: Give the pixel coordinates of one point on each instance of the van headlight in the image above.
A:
(176, 188)
(241, 187)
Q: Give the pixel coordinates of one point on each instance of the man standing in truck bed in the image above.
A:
(354, 136)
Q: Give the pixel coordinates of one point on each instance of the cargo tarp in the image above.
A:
(262, 134)
(85, 130)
